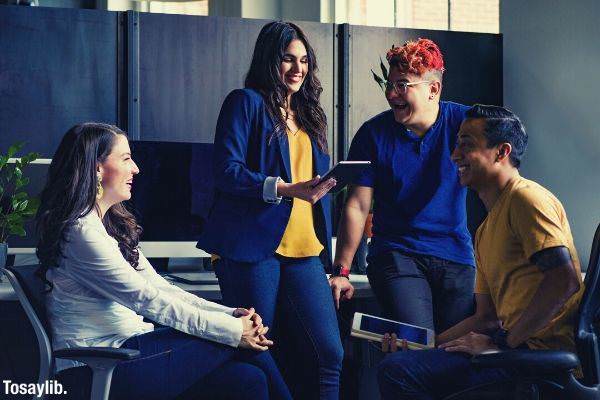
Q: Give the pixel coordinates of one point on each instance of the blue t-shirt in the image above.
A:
(420, 206)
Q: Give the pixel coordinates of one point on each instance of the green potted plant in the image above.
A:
(16, 206)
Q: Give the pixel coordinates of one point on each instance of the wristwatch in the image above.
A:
(499, 339)
(340, 270)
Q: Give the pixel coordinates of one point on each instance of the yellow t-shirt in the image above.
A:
(526, 218)
(299, 238)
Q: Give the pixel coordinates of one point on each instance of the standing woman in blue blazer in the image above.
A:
(270, 220)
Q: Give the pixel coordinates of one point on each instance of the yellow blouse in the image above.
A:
(299, 238)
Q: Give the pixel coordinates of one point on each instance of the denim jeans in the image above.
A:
(432, 374)
(422, 290)
(294, 299)
(177, 365)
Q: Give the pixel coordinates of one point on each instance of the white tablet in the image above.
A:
(373, 328)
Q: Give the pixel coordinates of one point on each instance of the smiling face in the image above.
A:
(477, 163)
(294, 66)
(117, 172)
(413, 108)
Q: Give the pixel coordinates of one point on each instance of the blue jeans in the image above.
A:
(294, 298)
(422, 290)
(177, 365)
(431, 374)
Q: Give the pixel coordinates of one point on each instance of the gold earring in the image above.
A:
(99, 188)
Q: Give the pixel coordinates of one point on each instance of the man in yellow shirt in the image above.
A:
(528, 284)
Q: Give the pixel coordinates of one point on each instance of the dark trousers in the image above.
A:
(432, 374)
(422, 290)
(176, 365)
(294, 298)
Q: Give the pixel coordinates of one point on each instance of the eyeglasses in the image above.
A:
(400, 87)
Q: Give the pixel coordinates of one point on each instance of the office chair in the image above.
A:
(30, 291)
(548, 374)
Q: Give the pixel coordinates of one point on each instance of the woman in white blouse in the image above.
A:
(102, 286)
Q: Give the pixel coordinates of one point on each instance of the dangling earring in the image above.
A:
(99, 188)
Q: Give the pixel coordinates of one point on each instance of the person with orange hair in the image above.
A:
(420, 262)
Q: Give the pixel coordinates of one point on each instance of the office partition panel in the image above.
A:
(58, 67)
(187, 65)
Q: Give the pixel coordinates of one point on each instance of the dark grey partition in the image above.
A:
(57, 67)
(189, 64)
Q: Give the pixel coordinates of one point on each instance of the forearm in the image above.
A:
(552, 294)
(474, 323)
(350, 233)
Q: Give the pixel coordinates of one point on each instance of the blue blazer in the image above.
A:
(240, 225)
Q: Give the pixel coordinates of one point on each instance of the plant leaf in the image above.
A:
(16, 204)
(379, 81)
(22, 206)
(34, 203)
(18, 173)
(16, 230)
(19, 196)
(14, 218)
(12, 150)
(384, 70)
(21, 182)
(33, 156)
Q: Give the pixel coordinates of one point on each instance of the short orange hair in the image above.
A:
(417, 57)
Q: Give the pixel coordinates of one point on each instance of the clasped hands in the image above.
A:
(253, 334)
(472, 343)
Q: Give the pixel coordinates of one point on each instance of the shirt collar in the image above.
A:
(429, 135)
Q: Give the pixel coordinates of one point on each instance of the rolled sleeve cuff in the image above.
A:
(270, 190)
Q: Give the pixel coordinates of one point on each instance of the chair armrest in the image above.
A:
(530, 362)
(76, 353)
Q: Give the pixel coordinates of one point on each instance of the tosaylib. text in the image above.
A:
(37, 389)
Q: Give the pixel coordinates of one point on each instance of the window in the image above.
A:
(455, 15)
(195, 7)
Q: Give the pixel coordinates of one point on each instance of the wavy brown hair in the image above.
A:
(264, 76)
(70, 193)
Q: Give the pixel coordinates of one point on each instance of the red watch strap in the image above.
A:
(340, 270)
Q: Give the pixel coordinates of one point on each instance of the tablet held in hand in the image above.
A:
(369, 327)
(345, 172)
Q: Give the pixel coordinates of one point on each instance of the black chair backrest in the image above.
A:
(586, 333)
(34, 289)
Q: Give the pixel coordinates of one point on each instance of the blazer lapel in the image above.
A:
(284, 148)
(320, 160)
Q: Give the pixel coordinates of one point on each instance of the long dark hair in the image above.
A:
(70, 193)
(264, 76)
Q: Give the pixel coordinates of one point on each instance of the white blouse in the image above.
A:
(99, 299)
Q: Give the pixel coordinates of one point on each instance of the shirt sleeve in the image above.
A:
(536, 220)
(149, 273)
(363, 149)
(481, 285)
(99, 265)
(270, 190)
